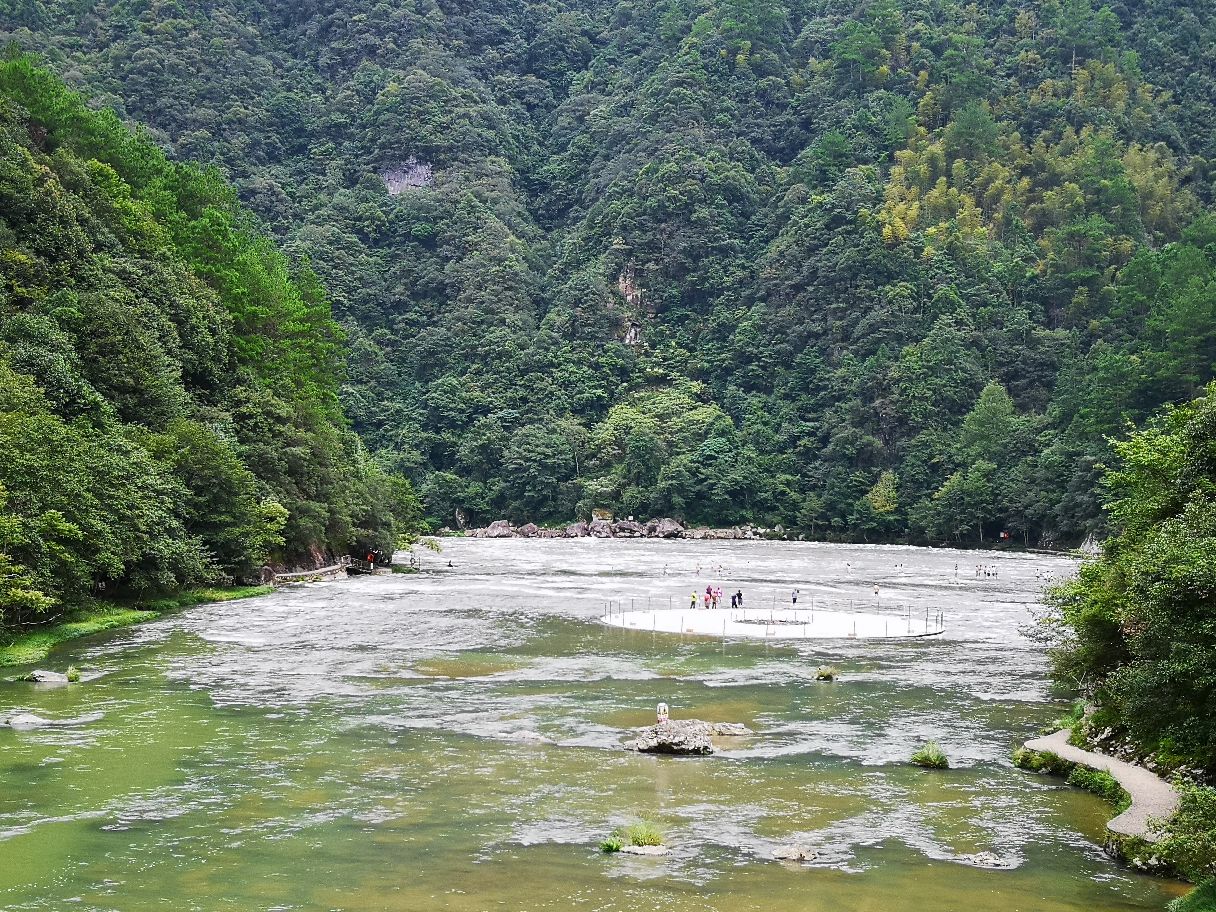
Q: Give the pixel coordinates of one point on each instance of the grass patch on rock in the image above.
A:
(931, 756)
(642, 833)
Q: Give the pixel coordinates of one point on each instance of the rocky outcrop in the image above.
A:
(683, 737)
(599, 528)
(627, 528)
(665, 528)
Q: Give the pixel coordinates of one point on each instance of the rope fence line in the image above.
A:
(899, 619)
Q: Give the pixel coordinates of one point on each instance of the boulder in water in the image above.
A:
(795, 852)
(599, 528)
(667, 528)
(985, 860)
(527, 530)
(41, 676)
(683, 737)
(644, 850)
(500, 528)
(627, 528)
(30, 720)
(576, 530)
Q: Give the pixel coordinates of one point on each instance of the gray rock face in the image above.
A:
(796, 852)
(576, 530)
(678, 738)
(683, 737)
(645, 850)
(46, 677)
(599, 528)
(667, 528)
(984, 860)
(500, 528)
(627, 528)
(29, 720)
(527, 530)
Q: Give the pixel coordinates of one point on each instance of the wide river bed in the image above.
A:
(451, 740)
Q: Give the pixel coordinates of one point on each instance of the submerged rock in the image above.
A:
(29, 720)
(795, 852)
(41, 676)
(684, 737)
(984, 860)
(644, 850)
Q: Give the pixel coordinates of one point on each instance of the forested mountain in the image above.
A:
(169, 407)
(878, 269)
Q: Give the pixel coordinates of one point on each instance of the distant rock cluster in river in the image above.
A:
(624, 528)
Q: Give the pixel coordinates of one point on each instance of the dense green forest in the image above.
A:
(871, 270)
(1136, 627)
(1134, 631)
(169, 410)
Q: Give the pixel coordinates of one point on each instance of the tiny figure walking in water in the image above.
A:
(661, 714)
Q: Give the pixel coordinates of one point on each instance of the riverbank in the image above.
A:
(35, 644)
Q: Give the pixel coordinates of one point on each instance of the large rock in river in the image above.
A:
(500, 528)
(600, 528)
(686, 737)
(667, 528)
(41, 676)
(627, 528)
(29, 720)
(576, 530)
(527, 530)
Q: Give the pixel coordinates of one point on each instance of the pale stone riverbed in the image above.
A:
(451, 740)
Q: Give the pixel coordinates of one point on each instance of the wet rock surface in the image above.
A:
(653, 850)
(684, 737)
(796, 852)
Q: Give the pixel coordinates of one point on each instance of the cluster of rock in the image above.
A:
(625, 528)
(684, 737)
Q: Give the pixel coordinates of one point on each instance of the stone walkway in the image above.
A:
(1152, 796)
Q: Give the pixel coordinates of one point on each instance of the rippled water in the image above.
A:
(450, 740)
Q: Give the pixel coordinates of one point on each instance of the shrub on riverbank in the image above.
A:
(931, 756)
(1188, 838)
(1201, 899)
(1134, 628)
(1102, 784)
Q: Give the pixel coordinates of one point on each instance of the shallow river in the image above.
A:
(450, 740)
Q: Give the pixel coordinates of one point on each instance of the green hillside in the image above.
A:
(169, 411)
(874, 271)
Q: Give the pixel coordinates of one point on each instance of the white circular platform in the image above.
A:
(778, 624)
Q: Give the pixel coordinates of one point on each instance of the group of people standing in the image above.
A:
(713, 598)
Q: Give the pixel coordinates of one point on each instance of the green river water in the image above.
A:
(450, 741)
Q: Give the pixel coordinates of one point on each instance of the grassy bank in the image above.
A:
(33, 645)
